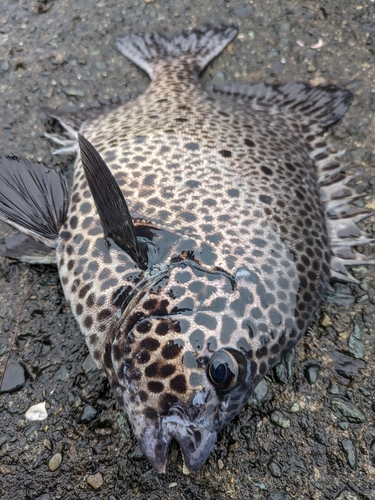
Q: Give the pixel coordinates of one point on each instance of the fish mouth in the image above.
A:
(196, 442)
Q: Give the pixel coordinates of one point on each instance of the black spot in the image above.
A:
(178, 384)
(167, 401)
(79, 309)
(155, 387)
(233, 193)
(87, 222)
(260, 353)
(104, 314)
(83, 292)
(87, 322)
(225, 153)
(265, 199)
(70, 265)
(75, 285)
(290, 167)
(65, 235)
(149, 344)
(109, 284)
(162, 328)
(206, 320)
(74, 222)
(83, 251)
(193, 146)
(150, 413)
(152, 369)
(90, 300)
(143, 357)
(188, 216)
(144, 327)
(171, 350)
(85, 208)
(263, 368)
(250, 143)
(143, 396)
(167, 370)
(266, 170)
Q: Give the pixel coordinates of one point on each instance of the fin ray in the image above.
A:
(33, 198)
(110, 203)
(195, 48)
(318, 107)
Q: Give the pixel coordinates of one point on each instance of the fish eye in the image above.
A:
(226, 369)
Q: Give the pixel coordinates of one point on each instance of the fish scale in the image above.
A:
(202, 229)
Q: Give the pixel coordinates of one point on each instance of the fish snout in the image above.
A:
(196, 441)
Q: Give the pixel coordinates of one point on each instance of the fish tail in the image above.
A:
(33, 199)
(194, 49)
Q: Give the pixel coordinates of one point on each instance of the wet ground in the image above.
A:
(310, 432)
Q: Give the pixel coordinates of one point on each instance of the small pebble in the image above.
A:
(3, 440)
(4, 66)
(311, 372)
(220, 464)
(339, 294)
(285, 29)
(259, 394)
(218, 80)
(333, 388)
(74, 92)
(14, 378)
(89, 364)
(346, 365)
(325, 320)
(351, 453)
(354, 342)
(295, 408)
(37, 412)
(244, 11)
(343, 425)
(348, 410)
(279, 419)
(55, 462)
(274, 469)
(88, 414)
(95, 480)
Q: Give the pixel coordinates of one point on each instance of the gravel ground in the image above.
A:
(309, 433)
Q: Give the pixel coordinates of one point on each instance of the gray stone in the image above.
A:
(351, 453)
(348, 410)
(55, 462)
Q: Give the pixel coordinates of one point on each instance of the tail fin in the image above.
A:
(196, 48)
(33, 198)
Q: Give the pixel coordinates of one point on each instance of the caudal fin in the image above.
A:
(195, 48)
(33, 198)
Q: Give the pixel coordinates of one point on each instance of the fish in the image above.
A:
(200, 232)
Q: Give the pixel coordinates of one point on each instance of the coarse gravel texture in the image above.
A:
(313, 434)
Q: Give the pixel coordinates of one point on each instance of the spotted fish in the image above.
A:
(202, 228)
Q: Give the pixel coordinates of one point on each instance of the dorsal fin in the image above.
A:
(110, 203)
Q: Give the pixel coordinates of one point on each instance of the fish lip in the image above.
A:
(196, 441)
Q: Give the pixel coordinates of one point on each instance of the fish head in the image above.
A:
(183, 362)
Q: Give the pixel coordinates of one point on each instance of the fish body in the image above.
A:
(199, 238)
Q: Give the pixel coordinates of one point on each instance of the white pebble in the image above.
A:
(37, 412)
